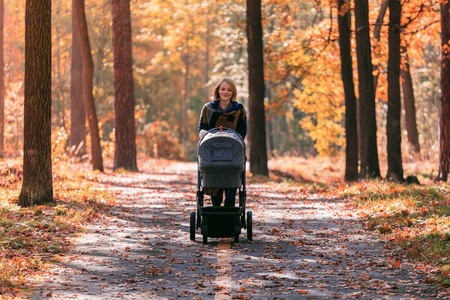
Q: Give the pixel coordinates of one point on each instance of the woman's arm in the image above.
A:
(241, 126)
(203, 123)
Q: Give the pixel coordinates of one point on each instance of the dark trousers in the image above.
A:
(230, 195)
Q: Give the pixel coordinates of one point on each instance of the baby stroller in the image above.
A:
(221, 165)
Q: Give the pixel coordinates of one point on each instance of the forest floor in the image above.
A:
(306, 245)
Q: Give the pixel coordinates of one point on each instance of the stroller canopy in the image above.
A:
(221, 148)
(221, 159)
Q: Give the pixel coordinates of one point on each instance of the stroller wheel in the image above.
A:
(237, 229)
(192, 226)
(199, 219)
(205, 234)
(249, 226)
(243, 224)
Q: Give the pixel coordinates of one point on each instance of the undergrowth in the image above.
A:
(32, 238)
(413, 217)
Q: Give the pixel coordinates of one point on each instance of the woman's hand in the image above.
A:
(202, 133)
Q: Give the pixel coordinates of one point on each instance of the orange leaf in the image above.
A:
(395, 263)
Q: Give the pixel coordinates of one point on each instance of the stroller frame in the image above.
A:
(221, 221)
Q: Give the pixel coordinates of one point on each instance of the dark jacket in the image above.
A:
(234, 117)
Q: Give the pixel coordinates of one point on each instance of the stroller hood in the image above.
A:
(221, 159)
(221, 148)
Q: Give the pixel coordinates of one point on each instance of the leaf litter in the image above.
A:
(306, 246)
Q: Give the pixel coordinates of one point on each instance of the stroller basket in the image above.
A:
(221, 220)
(221, 159)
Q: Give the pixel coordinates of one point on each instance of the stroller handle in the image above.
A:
(221, 128)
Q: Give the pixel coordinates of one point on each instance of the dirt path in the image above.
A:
(304, 247)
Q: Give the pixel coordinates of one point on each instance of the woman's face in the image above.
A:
(225, 91)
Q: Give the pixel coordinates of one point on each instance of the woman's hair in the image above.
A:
(232, 85)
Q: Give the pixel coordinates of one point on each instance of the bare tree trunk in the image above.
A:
(258, 147)
(444, 109)
(125, 151)
(286, 133)
(59, 82)
(185, 97)
(393, 126)
(207, 51)
(77, 140)
(88, 97)
(407, 87)
(2, 83)
(37, 186)
(351, 132)
(376, 37)
(409, 102)
(270, 130)
(367, 115)
(271, 133)
(186, 60)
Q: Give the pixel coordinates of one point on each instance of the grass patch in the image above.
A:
(414, 217)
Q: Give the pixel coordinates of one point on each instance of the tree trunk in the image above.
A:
(187, 65)
(367, 116)
(258, 147)
(37, 186)
(409, 102)
(125, 145)
(58, 81)
(393, 126)
(185, 97)
(77, 140)
(2, 83)
(271, 133)
(407, 87)
(286, 142)
(376, 37)
(207, 51)
(88, 97)
(351, 132)
(444, 108)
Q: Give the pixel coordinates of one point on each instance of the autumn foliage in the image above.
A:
(305, 102)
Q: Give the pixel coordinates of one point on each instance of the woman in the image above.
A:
(227, 112)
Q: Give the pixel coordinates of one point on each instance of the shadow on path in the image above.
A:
(303, 248)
